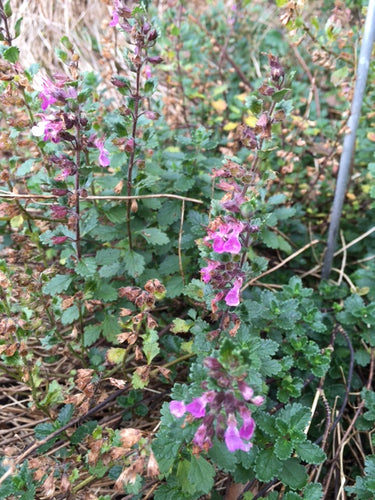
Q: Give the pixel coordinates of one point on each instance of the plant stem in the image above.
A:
(136, 96)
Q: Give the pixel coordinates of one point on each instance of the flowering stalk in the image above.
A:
(230, 234)
(142, 36)
(224, 411)
(61, 115)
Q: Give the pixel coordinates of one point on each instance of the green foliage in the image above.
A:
(100, 277)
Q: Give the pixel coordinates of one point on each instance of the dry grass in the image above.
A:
(45, 22)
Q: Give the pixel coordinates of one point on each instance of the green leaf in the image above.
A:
(86, 267)
(279, 95)
(201, 475)
(107, 256)
(283, 448)
(313, 491)
(43, 430)
(221, 457)
(58, 284)
(8, 9)
(83, 431)
(134, 263)
(106, 292)
(91, 334)
(293, 474)
(110, 270)
(70, 315)
(310, 452)
(17, 28)
(267, 465)
(111, 328)
(150, 345)
(182, 473)
(54, 394)
(65, 414)
(116, 355)
(154, 236)
(180, 325)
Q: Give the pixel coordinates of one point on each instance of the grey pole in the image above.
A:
(349, 140)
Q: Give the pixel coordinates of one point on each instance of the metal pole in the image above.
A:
(349, 141)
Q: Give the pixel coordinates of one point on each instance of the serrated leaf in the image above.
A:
(43, 430)
(106, 292)
(107, 256)
(134, 263)
(221, 457)
(116, 355)
(180, 325)
(283, 448)
(111, 328)
(310, 452)
(91, 334)
(58, 284)
(109, 270)
(83, 431)
(313, 491)
(150, 345)
(65, 414)
(86, 267)
(70, 315)
(293, 474)
(267, 465)
(155, 236)
(201, 475)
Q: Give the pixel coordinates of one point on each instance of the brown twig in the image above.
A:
(223, 53)
(7, 194)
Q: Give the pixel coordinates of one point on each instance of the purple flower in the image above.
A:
(197, 407)
(177, 408)
(226, 238)
(206, 271)
(232, 298)
(103, 153)
(232, 436)
(201, 437)
(53, 91)
(49, 127)
(248, 425)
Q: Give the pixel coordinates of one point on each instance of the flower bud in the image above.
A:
(129, 145)
(146, 27)
(152, 35)
(155, 60)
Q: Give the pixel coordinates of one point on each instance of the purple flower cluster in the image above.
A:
(228, 408)
(223, 235)
(55, 125)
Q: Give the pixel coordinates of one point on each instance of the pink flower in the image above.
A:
(53, 91)
(197, 407)
(177, 408)
(201, 438)
(248, 425)
(226, 238)
(232, 298)
(232, 436)
(49, 127)
(246, 391)
(103, 153)
(206, 271)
